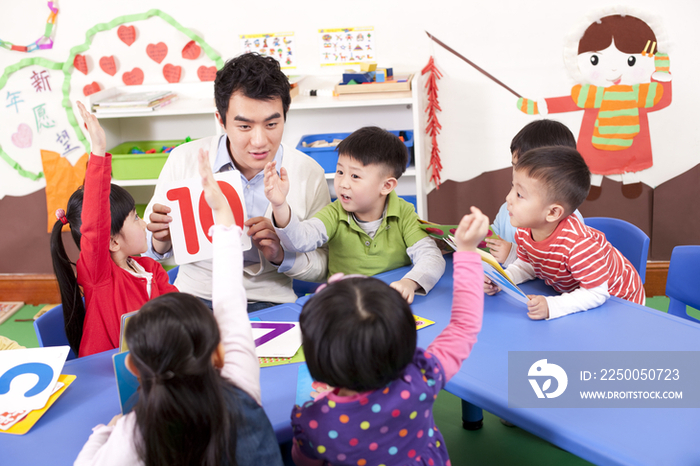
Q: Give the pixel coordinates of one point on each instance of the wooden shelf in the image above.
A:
(410, 171)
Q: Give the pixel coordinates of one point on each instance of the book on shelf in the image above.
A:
(399, 83)
(134, 102)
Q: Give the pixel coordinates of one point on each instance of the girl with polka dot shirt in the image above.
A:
(359, 335)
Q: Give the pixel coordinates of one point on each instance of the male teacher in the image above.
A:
(252, 99)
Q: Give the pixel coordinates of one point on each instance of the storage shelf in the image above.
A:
(395, 110)
(305, 102)
(411, 171)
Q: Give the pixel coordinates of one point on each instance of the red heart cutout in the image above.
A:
(157, 52)
(191, 50)
(206, 73)
(127, 34)
(91, 89)
(108, 65)
(80, 64)
(133, 77)
(172, 73)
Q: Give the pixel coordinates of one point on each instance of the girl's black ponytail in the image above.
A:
(71, 297)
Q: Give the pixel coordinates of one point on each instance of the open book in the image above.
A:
(495, 272)
(446, 233)
(492, 268)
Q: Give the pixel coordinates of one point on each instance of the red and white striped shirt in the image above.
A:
(575, 255)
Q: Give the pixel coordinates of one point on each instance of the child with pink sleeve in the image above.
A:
(359, 335)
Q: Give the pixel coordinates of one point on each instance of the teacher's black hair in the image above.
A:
(255, 76)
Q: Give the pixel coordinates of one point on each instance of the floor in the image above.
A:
(493, 444)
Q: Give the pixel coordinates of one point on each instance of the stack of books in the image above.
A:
(133, 102)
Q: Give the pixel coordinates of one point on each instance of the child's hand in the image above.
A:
(114, 420)
(97, 134)
(472, 229)
(499, 248)
(212, 192)
(490, 288)
(276, 186)
(537, 307)
(406, 287)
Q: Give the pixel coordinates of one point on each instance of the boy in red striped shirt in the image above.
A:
(549, 183)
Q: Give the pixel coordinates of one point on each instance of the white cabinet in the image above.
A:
(193, 115)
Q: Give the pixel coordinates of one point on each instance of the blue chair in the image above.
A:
(302, 288)
(172, 274)
(50, 330)
(627, 238)
(682, 283)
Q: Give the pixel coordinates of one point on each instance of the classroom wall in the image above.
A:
(521, 43)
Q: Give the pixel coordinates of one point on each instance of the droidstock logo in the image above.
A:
(543, 369)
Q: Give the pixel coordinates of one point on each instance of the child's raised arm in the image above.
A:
(455, 342)
(241, 366)
(276, 190)
(97, 134)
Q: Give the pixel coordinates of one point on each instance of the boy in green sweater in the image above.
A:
(369, 228)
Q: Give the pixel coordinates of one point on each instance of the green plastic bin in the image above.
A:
(126, 166)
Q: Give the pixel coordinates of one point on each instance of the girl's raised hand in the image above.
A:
(472, 230)
(97, 134)
(212, 192)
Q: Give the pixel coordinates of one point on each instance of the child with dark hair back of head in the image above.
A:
(109, 233)
(549, 183)
(369, 229)
(539, 133)
(359, 336)
(199, 395)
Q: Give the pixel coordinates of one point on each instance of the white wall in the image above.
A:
(519, 42)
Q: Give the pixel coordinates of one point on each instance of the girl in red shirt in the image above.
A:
(108, 232)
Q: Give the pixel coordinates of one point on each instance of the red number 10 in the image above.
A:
(206, 216)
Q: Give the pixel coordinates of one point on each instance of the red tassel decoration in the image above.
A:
(433, 126)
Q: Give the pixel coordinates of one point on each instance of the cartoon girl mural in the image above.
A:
(623, 74)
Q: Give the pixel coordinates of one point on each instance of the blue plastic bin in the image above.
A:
(327, 157)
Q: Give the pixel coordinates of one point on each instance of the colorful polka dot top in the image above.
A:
(391, 426)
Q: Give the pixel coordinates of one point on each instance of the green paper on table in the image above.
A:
(446, 233)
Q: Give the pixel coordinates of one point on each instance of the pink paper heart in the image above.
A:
(80, 64)
(23, 137)
(157, 52)
(91, 89)
(133, 77)
(206, 73)
(127, 34)
(108, 65)
(172, 73)
(191, 51)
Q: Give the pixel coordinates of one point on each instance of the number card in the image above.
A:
(192, 216)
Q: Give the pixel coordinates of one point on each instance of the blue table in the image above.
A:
(57, 438)
(602, 436)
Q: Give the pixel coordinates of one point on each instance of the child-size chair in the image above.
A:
(683, 281)
(627, 238)
(172, 274)
(50, 330)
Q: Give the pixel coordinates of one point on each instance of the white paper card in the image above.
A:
(276, 339)
(192, 216)
(28, 376)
